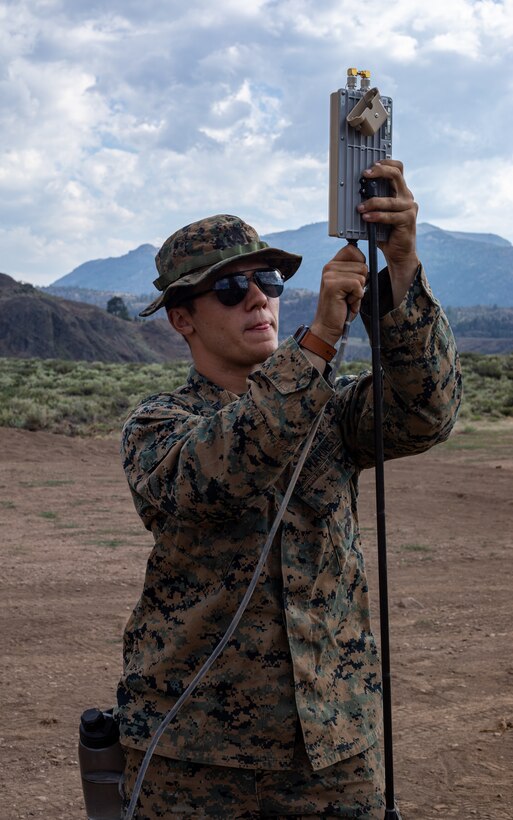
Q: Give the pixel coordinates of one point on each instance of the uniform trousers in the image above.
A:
(351, 788)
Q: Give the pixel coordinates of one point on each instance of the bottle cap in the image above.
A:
(98, 730)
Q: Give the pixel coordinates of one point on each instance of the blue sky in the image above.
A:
(122, 121)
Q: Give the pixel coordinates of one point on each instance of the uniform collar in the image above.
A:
(208, 390)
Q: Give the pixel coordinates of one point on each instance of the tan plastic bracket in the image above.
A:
(368, 115)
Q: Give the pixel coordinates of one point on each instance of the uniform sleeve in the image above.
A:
(215, 466)
(421, 382)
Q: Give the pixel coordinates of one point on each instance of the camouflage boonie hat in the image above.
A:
(199, 250)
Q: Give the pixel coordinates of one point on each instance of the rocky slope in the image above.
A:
(35, 324)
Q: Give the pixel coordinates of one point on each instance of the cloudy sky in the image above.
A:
(120, 121)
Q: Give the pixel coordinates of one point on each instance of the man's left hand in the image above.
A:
(400, 212)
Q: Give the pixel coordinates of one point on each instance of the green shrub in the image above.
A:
(85, 398)
(78, 398)
(27, 414)
(489, 368)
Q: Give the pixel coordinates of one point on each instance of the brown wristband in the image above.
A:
(305, 338)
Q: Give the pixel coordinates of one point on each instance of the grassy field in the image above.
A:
(93, 398)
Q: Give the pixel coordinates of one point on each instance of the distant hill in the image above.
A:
(478, 329)
(133, 272)
(35, 324)
(464, 268)
(488, 238)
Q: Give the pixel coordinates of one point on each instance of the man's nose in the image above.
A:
(254, 297)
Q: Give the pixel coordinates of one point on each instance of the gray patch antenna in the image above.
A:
(360, 134)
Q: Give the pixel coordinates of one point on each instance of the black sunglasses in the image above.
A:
(231, 290)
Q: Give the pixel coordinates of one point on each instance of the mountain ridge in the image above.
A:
(464, 269)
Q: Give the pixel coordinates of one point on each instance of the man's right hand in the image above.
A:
(342, 287)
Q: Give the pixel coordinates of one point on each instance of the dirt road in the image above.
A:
(73, 557)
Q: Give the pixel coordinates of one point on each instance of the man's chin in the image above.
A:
(263, 350)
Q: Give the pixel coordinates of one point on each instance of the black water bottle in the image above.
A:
(101, 764)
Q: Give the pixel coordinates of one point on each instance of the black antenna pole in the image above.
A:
(369, 189)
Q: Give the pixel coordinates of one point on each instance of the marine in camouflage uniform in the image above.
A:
(297, 689)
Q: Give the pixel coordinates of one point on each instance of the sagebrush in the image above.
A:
(94, 398)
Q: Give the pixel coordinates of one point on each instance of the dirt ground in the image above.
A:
(73, 557)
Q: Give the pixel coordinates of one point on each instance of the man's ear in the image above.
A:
(180, 319)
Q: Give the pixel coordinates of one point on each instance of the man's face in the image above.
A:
(236, 338)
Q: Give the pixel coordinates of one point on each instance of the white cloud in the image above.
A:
(473, 195)
(249, 116)
(465, 43)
